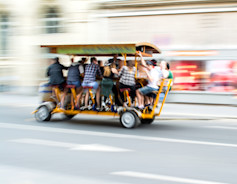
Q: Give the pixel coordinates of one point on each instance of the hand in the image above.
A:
(140, 54)
(114, 70)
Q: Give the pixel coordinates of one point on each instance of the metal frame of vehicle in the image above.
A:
(129, 116)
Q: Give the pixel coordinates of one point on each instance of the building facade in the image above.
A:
(197, 37)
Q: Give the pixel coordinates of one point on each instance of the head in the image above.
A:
(94, 60)
(107, 63)
(72, 59)
(150, 64)
(111, 63)
(83, 60)
(163, 64)
(115, 56)
(129, 63)
(167, 66)
(56, 60)
(154, 62)
(100, 63)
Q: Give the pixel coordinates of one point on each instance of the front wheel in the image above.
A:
(129, 119)
(43, 114)
(68, 117)
(147, 121)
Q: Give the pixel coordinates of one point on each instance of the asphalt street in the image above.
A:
(199, 147)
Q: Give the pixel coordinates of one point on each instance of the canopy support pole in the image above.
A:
(125, 57)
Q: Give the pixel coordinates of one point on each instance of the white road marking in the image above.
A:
(22, 175)
(222, 127)
(163, 177)
(71, 146)
(104, 134)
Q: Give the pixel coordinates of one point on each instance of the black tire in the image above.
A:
(43, 114)
(68, 117)
(129, 119)
(147, 121)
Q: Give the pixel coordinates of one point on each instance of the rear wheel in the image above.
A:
(129, 119)
(43, 114)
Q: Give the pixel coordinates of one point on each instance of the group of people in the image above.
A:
(83, 77)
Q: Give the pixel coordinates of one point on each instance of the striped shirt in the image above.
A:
(127, 77)
(90, 73)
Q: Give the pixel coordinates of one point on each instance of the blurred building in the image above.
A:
(198, 37)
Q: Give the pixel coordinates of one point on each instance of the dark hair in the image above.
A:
(129, 63)
(154, 62)
(56, 60)
(83, 59)
(149, 63)
(168, 66)
(93, 59)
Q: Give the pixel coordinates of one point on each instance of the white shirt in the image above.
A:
(155, 74)
(81, 68)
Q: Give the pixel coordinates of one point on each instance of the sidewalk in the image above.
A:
(202, 97)
(170, 110)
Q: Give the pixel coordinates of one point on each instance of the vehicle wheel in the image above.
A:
(129, 119)
(68, 116)
(43, 114)
(147, 121)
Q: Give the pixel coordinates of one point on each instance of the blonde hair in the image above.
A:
(107, 71)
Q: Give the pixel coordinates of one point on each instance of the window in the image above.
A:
(4, 30)
(52, 21)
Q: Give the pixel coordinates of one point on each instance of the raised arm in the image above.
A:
(143, 63)
(114, 70)
(148, 75)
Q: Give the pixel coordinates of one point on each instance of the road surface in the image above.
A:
(98, 150)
